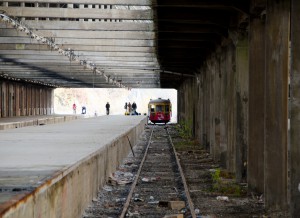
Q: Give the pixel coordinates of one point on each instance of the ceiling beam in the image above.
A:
(77, 13)
(97, 2)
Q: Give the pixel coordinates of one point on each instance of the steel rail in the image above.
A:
(126, 205)
(186, 190)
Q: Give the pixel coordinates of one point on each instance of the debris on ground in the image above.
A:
(214, 192)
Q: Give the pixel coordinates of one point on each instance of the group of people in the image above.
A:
(130, 109)
(83, 109)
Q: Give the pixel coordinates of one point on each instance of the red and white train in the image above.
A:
(160, 110)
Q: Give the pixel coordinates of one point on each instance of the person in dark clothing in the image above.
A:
(107, 108)
(83, 111)
(125, 107)
(134, 108)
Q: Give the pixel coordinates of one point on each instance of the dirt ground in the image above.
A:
(213, 190)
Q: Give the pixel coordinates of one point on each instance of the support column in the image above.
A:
(51, 98)
(81, 6)
(231, 108)
(212, 100)
(277, 51)
(36, 5)
(23, 98)
(217, 108)
(97, 7)
(295, 109)
(10, 99)
(242, 96)
(223, 110)
(255, 165)
(90, 7)
(1, 99)
(17, 100)
(28, 100)
(206, 109)
(201, 108)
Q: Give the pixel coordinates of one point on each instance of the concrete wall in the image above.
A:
(21, 99)
(69, 192)
(214, 104)
(241, 108)
(295, 109)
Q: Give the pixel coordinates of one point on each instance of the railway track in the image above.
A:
(158, 188)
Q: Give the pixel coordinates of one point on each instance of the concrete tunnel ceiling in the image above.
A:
(113, 43)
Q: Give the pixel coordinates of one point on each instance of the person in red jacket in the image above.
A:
(74, 108)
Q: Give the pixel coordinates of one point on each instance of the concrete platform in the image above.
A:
(24, 121)
(56, 170)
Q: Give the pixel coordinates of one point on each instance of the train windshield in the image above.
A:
(167, 108)
(159, 108)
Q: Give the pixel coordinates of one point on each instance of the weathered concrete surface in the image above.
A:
(21, 99)
(295, 109)
(257, 80)
(242, 100)
(277, 52)
(55, 170)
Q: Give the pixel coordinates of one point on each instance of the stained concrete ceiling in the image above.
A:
(113, 43)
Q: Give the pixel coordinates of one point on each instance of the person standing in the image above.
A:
(74, 108)
(125, 107)
(107, 108)
(83, 110)
(134, 108)
(129, 108)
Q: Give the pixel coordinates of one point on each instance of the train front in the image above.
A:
(160, 110)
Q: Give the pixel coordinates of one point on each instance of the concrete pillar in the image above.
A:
(200, 109)
(206, 109)
(211, 103)
(90, 7)
(102, 7)
(23, 5)
(10, 99)
(28, 100)
(97, 7)
(47, 5)
(231, 107)
(197, 109)
(1, 99)
(217, 117)
(70, 6)
(4, 100)
(23, 98)
(36, 4)
(295, 109)
(223, 110)
(81, 6)
(242, 96)
(257, 79)
(39, 101)
(277, 51)
(33, 100)
(44, 102)
(17, 100)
